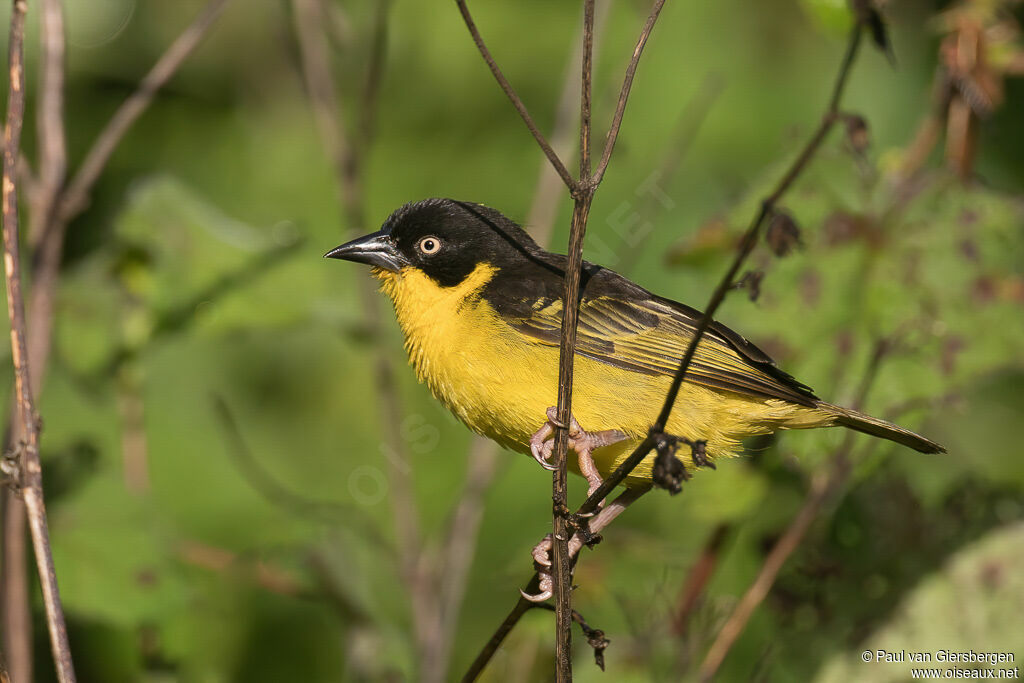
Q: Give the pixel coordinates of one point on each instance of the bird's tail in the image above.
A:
(880, 428)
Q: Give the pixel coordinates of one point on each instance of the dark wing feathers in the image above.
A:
(625, 326)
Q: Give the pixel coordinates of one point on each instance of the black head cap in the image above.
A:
(444, 238)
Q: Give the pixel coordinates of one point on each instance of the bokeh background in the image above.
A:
(223, 477)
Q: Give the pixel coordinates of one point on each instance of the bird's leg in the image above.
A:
(583, 442)
(542, 551)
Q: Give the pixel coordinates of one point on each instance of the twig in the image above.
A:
(483, 657)
(17, 616)
(323, 97)
(746, 246)
(76, 196)
(627, 84)
(481, 466)
(561, 570)
(49, 120)
(595, 636)
(583, 192)
(457, 551)
(42, 193)
(563, 172)
(316, 69)
(264, 483)
(27, 443)
(599, 522)
(50, 221)
(823, 486)
(698, 577)
(541, 217)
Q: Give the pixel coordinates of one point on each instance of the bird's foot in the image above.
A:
(542, 564)
(584, 443)
(586, 534)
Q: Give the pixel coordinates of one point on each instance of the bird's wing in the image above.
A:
(650, 335)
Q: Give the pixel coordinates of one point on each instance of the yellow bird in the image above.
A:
(479, 303)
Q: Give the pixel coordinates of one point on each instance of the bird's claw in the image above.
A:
(581, 441)
(541, 446)
(542, 563)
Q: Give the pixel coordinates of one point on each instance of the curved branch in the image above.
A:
(510, 92)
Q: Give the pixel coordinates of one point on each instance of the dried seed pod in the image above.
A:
(783, 233)
(751, 281)
(857, 133)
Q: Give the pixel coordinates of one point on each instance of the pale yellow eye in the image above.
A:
(429, 245)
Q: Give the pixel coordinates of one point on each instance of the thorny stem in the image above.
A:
(30, 469)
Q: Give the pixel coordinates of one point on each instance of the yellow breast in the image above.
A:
(500, 382)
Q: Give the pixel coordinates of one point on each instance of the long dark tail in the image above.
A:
(880, 428)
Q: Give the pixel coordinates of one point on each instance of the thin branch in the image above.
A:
(17, 612)
(561, 570)
(487, 652)
(583, 194)
(275, 493)
(547, 193)
(76, 196)
(482, 461)
(30, 474)
(323, 97)
(563, 172)
(598, 523)
(458, 550)
(698, 577)
(348, 161)
(823, 487)
(42, 195)
(749, 241)
(49, 119)
(627, 85)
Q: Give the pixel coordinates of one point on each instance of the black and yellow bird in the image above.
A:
(480, 305)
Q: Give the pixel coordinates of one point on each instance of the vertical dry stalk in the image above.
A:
(584, 195)
(27, 442)
(54, 205)
(582, 191)
(348, 157)
(541, 217)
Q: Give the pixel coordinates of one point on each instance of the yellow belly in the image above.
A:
(500, 382)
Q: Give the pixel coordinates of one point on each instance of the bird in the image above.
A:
(479, 303)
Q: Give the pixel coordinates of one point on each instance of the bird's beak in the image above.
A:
(376, 249)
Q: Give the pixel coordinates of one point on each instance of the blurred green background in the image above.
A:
(219, 489)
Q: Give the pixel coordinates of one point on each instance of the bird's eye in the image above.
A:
(429, 245)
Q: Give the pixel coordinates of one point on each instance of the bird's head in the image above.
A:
(442, 239)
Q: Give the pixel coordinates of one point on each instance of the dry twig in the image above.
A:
(747, 244)
(29, 473)
(582, 191)
(54, 206)
(823, 487)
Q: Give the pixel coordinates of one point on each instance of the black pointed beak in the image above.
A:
(376, 249)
